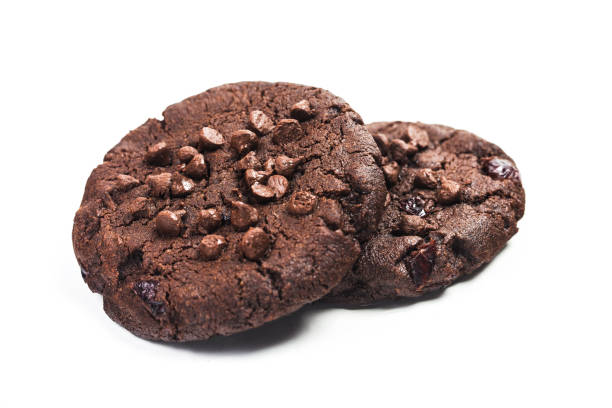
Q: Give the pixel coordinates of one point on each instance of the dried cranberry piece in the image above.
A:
(147, 291)
(421, 264)
(414, 205)
(500, 168)
(157, 308)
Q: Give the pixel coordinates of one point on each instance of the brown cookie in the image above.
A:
(454, 201)
(246, 202)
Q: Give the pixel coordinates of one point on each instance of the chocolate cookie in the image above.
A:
(246, 202)
(454, 201)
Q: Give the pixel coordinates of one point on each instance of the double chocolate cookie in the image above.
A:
(245, 203)
(454, 201)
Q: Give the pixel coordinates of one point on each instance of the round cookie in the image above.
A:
(246, 202)
(454, 201)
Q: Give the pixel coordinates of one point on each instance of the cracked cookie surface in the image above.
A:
(454, 201)
(245, 203)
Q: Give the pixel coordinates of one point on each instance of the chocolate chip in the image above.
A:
(243, 141)
(159, 154)
(243, 215)
(211, 247)
(382, 141)
(421, 263)
(412, 225)
(449, 191)
(301, 110)
(252, 176)
(262, 192)
(400, 150)
(181, 186)
(285, 166)
(287, 130)
(279, 184)
(209, 220)
(269, 166)
(391, 171)
(414, 205)
(254, 243)
(186, 153)
(210, 139)
(331, 212)
(418, 136)
(260, 122)
(125, 182)
(159, 184)
(249, 161)
(196, 168)
(168, 223)
(425, 178)
(500, 169)
(301, 203)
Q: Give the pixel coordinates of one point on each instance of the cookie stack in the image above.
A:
(250, 200)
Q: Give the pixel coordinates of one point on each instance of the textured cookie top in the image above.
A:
(454, 201)
(242, 205)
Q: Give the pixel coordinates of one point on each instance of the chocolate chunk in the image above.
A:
(301, 203)
(125, 182)
(279, 184)
(210, 139)
(285, 166)
(260, 122)
(287, 130)
(401, 151)
(211, 247)
(500, 169)
(412, 225)
(209, 220)
(168, 223)
(159, 184)
(414, 205)
(243, 141)
(262, 192)
(159, 154)
(196, 168)
(301, 110)
(391, 171)
(382, 141)
(249, 161)
(181, 186)
(421, 263)
(253, 176)
(418, 136)
(425, 178)
(331, 212)
(186, 153)
(140, 207)
(254, 243)
(243, 215)
(449, 191)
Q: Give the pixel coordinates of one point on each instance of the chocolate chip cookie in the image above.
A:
(454, 201)
(243, 204)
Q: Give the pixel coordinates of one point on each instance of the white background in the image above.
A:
(532, 329)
